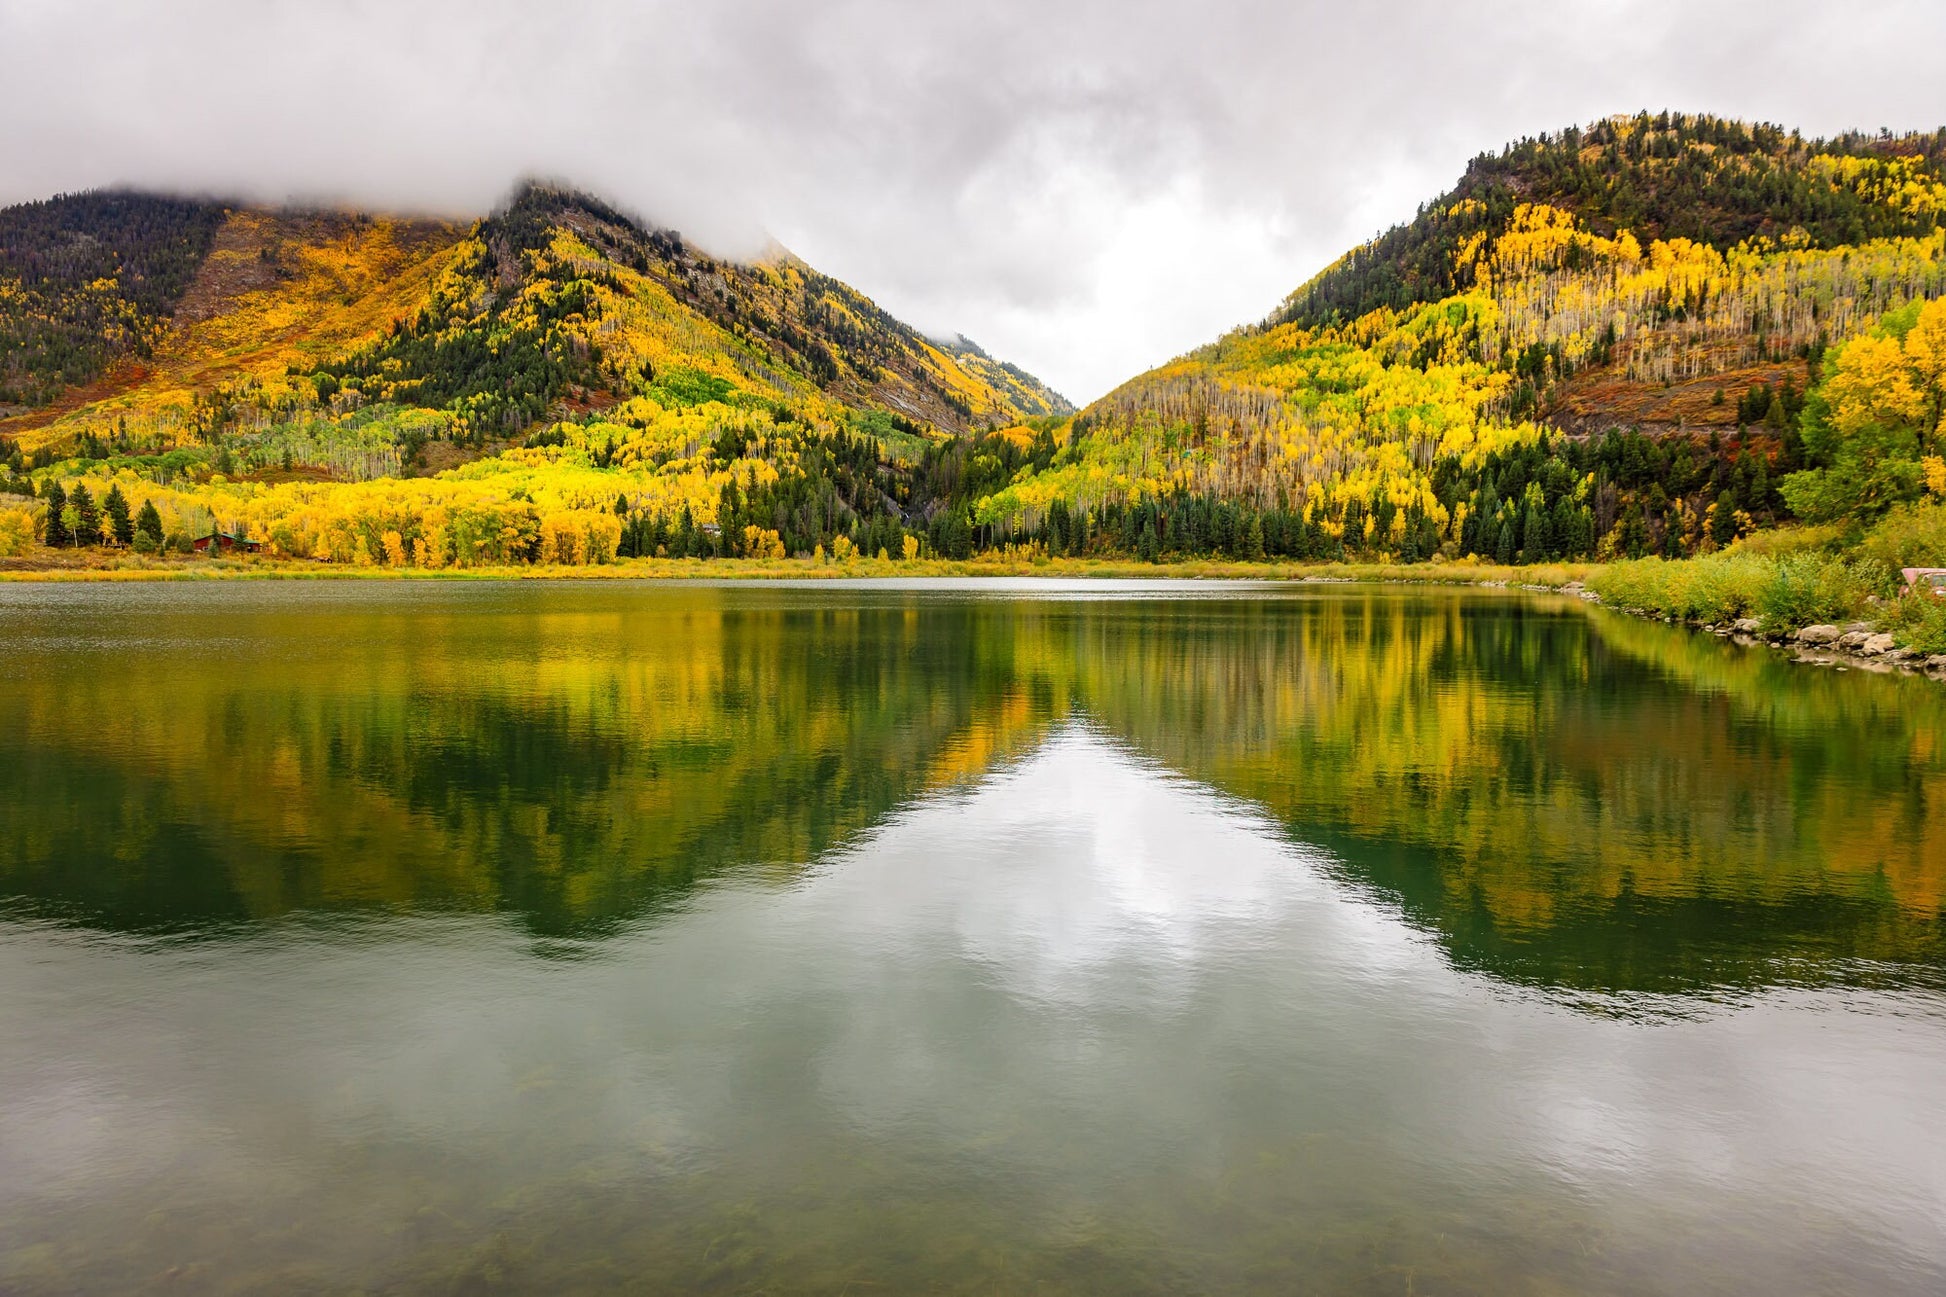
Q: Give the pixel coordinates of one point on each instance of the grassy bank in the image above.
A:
(53, 565)
(1789, 579)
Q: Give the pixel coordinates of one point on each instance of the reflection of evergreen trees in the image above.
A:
(573, 807)
(1583, 804)
(1588, 804)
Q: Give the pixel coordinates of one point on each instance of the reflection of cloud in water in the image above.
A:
(1080, 990)
(1083, 863)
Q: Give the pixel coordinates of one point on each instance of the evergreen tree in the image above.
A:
(1723, 521)
(57, 525)
(148, 524)
(115, 508)
(87, 517)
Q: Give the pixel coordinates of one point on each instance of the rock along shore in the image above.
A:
(1855, 644)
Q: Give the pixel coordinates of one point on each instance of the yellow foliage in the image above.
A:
(16, 531)
(762, 542)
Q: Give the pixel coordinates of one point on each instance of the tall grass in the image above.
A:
(1799, 576)
(1798, 589)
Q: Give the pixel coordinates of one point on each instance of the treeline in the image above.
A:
(87, 278)
(1622, 495)
(74, 520)
(1666, 176)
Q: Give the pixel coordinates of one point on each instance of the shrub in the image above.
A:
(1810, 588)
(1918, 621)
(1780, 541)
(1718, 587)
(1914, 536)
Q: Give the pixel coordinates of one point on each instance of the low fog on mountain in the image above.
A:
(1086, 187)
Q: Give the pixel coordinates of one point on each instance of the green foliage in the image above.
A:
(1720, 587)
(1797, 589)
(1918, 622)
(1858, 475)
(87, 517)
(1912, 536)
(114, 507)
(56, 499)
(1810, 588)
(148, 527)
(681, 388)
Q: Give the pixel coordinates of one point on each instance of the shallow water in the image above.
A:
(993, 937)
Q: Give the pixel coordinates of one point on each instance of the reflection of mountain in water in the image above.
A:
(1567, 800)
(1564, 801)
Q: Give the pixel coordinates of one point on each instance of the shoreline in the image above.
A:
(1857, 645)
(122, 568)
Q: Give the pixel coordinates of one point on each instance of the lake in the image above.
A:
(961, 937)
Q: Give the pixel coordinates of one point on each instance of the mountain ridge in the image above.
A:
(875, 361)
(1498, 324)
(1646, 335)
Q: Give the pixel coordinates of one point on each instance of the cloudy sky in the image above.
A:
(1087, 187)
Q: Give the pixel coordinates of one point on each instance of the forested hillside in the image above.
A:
(1601, 343)
(1655, 335)
(558, 381)
(87, 279)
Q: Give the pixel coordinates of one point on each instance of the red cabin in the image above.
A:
(226, 543)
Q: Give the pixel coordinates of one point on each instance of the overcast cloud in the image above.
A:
(1086, 187)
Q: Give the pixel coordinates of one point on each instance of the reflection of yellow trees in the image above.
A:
(1551, 762)
(564, 763)
(571, 754)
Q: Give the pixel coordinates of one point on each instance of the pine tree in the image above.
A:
(57, 526)
(148, 524)
(87, 518)
(115, 508)
(1723, 521)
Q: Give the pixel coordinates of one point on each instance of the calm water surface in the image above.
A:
(561, 938)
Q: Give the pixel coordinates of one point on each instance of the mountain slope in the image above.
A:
(1650, 335)
(86, 279)
(554, 381)
(438, 315)
(1671, 276)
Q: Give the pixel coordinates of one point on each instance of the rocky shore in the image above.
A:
(1854, 645)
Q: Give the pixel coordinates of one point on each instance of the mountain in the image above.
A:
(1615, 328)
(545, 376)
(147, 309)
(1652, 334)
